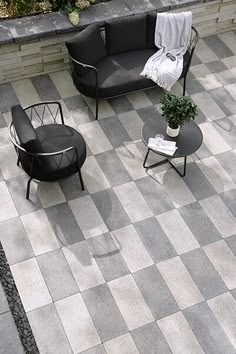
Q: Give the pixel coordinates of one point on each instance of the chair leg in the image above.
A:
(18, 160)
(28, 188)
(184, 87)
(81, 180)
(97, 108)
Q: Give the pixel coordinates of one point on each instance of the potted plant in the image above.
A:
(177, 110)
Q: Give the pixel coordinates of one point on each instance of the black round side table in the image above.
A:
(188, 141)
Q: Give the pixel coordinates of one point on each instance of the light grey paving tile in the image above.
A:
(111, 209)
(57, 275)
(229, 198)
(45, 88)
(230, 63)
(50, 194)
(132, 124)
(8, 97)
(229, 39)
(48, 331)
(132, 160)
(201, 153)
(208, 106)
(204, 52)
(3, 301)
(95, 137)
(2, 121)
(207, 330)
(31, 285)
(104, 312)
(17, 189)
(216, 174)
(227, 129)
(4, 136)
(133, 307)
(98, 349)
(132, 249)
(149, 339)
(88, 217)
(83, 265)
(203, 273)
(14, 240)
(177, 231)
(64, 224)
(180, 283)
(224, 262)
(179, 335)
(218, 46)
(205, 77)
(25, 92)
(224, 100)
(106, 251)
(175, 187)
(39, 232)
(155, 239)
(133, 202)
(220, 215)
(94, 178)
(224, 308)
(64, 84)
(155, 292)
(71, 187)
(225, 77)
(199, 223)
(7, 207)
(120, 104)
(9, 170)
(232, 90)
(228, 162)
(104, 109)
(10, 341)
(81, 115)
(121, 345)
(77, 323)
(155, 195)
(113, 168)
(139, 99)
(197, 182)
(213, 140)
(114, 131)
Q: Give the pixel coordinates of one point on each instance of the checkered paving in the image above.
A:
(141, 261)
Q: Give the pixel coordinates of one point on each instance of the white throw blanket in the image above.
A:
(172, 37)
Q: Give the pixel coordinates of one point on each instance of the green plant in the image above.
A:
(177, 110)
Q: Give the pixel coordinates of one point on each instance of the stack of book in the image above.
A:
(163, 146)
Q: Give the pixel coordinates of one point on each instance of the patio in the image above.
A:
(141, 261)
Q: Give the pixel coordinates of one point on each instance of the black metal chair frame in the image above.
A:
(39, 157)
(191, 48)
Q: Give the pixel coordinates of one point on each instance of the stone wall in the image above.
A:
(23, 58)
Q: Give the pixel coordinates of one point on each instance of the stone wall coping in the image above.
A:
(30, 28)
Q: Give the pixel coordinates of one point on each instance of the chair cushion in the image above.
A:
(126, 34)
(87, 46)
(57, 137)
(24, 129)
(151, 26)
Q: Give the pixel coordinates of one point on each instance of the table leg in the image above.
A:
(155, 164)
(177, 170)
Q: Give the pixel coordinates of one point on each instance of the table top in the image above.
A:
(188, 141)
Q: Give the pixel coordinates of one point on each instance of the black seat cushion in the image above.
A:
(87, 47)
(57, 137)
(24, 129)
(118, 74)
(126, 34)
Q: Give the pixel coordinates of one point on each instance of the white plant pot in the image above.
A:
(172, 132)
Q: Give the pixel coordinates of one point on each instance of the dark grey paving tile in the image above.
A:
(10, 341)
(226, 77)
(113, 168)
(233, 292)
(216, 66)
(149, 339)
(3, 301)
(2, 122)
(114, 131)
(200, 118)
(155, 292)
(155, 239)
(106, 251)
(229, 198)
(228, 161)
(147, 113)
(111, 209)
(207, 330)
(193, 85)
(45, 88)
(218, 46)
(227, 130)
(198, 183)
(104, 312)
(201, 153)
(203, 273)
(64, 224)
(75, 102)
(99, 349)
(231, 242)
(155, 94)
(8, 98)
(57, 275)
(155, 195)
(120, 104)
(1, 175)
(48, 330)
(71, 188)
(224, 100)
(201, 226)
(195, 60)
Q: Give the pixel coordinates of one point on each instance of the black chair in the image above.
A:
(46, 150)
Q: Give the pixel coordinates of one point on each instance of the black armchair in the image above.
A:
(46, 150)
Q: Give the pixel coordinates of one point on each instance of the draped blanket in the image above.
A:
(172, 38)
